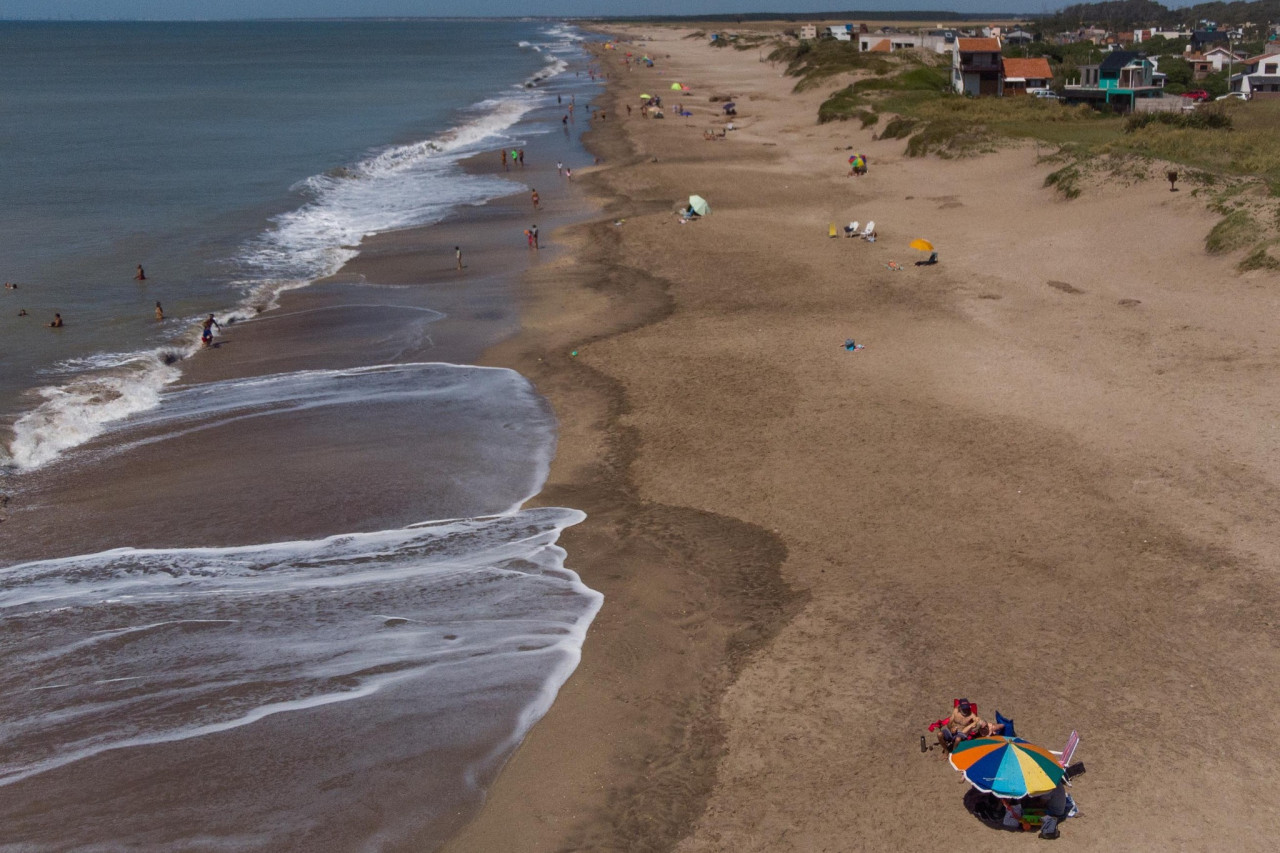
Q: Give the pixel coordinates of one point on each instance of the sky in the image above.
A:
(241, 9)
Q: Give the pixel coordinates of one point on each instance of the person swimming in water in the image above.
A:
(56, 322)
(140, 275)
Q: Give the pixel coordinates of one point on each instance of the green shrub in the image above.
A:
(869, 118)
(1202, 119)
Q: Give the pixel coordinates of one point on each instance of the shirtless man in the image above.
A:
(206, 331)
(964, 723)
(140, 275)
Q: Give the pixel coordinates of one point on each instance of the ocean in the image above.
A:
(236, 162)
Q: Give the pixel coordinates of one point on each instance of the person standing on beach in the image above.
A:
(457, 251)
(536, 200)
(521, 158)
(559, 168)
(505, 167)
(206, 330)
(159, 312)
(528, 235)
(139, 275)
(533, 236)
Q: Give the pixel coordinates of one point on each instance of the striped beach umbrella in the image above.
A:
(1007, 766)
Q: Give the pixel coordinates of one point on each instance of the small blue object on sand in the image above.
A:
(851, 346)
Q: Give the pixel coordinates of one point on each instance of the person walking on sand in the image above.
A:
(206, 330)
(457, 251)
(521, 158)
(560, 168)
(505, 167)
(536, 200)
(159, 312)
(56, 323)
(139, 275)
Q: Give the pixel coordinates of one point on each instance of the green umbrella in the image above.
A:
(699, 205)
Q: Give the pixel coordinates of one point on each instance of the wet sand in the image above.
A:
(1046, 484)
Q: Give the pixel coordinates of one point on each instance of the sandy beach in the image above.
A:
(1045, 484)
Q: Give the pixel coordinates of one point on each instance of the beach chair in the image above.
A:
(869, 233)
(851, 230)
(831, 229)
(1068, 753)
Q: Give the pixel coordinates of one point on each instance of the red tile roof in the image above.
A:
(1027, 68)
(881, 46)
(978, 45)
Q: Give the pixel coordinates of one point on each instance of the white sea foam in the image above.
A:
(394, 188)
(90, 662)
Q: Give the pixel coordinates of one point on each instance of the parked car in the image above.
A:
(1196, 95)
(1233, 96)
(1047, 93)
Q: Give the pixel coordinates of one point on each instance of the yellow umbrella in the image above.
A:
(922, 245)
(646, 97)
(676, 86)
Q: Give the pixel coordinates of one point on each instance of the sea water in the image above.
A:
(236, 161)
(232, 161)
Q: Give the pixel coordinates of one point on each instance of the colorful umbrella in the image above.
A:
(1007, 766)
(922, 245)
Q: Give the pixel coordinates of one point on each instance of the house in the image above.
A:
(1023, 74)
(1202, 39)
(975, 67)
(1018, 36)
(1118, 81)
(895, 41)
(840, 32)
(1259, 77)
(1221, 58)
(808, 32)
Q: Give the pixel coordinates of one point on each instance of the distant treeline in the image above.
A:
(747, 17)
(1129, 14)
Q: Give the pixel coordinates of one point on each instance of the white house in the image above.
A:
(1259, 77)
(808, 32)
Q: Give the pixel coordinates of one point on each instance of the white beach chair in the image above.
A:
(868, 233)
(851, 230)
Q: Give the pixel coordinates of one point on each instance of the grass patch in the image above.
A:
(1065, 180)
(1259, 259)
(899, 127)
(814, 62)
(1235, 231)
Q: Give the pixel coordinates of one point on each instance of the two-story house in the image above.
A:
(1259, 76)
(976, 68)
(1119, 80)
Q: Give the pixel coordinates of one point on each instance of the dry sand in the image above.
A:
(1048, 484)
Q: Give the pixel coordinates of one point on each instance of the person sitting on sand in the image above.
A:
(933, 259)
(963, 724)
